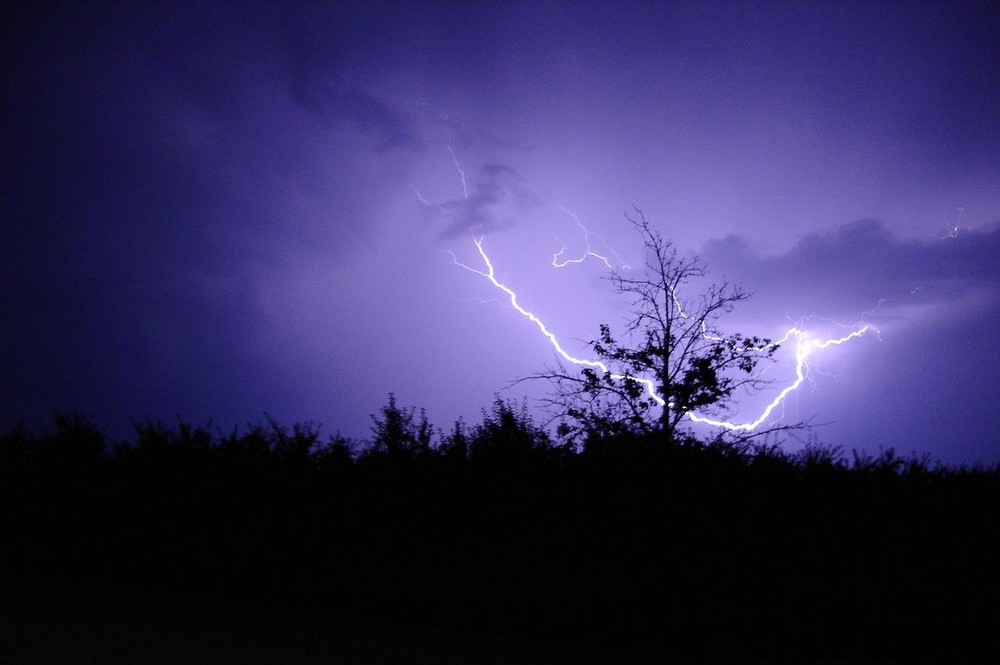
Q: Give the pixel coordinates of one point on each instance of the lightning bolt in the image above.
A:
(953, 230)
(443, 117)
(454, 157)
(805, 346)
(490, 274)
(559, 262)
(420, 196)
(458, 167)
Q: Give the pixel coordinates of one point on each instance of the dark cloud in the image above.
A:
(377, 119)
(201, 203)
(497, 196)
(157, 176)
(315, 80)
(861, 264)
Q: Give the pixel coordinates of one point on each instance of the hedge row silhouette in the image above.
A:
(681, 549)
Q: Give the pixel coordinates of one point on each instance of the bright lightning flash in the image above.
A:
(490, 274)
(804, 348)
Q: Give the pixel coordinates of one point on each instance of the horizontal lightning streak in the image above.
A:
(804, 347)
(559, 262)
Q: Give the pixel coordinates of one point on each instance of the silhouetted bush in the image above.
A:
(679, 548)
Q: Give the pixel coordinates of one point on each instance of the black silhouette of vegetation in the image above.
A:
(632, 543)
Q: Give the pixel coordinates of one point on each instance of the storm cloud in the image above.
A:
(238, 208)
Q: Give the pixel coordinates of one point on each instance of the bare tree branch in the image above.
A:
(670, 340)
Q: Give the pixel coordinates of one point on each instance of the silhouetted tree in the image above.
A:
(671, 340)
(401, 432)
(508, 437)
(14, 446)
(296, 446)
(455, 445)
(335, 456)
(76, 445)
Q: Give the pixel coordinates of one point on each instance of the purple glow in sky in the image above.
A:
(238, 208)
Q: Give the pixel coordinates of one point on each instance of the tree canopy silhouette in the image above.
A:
(671, 360)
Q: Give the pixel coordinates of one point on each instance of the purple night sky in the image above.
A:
(226, 210)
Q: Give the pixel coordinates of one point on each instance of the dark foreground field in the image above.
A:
(48, 623)
(76, 624)
(490, 544)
